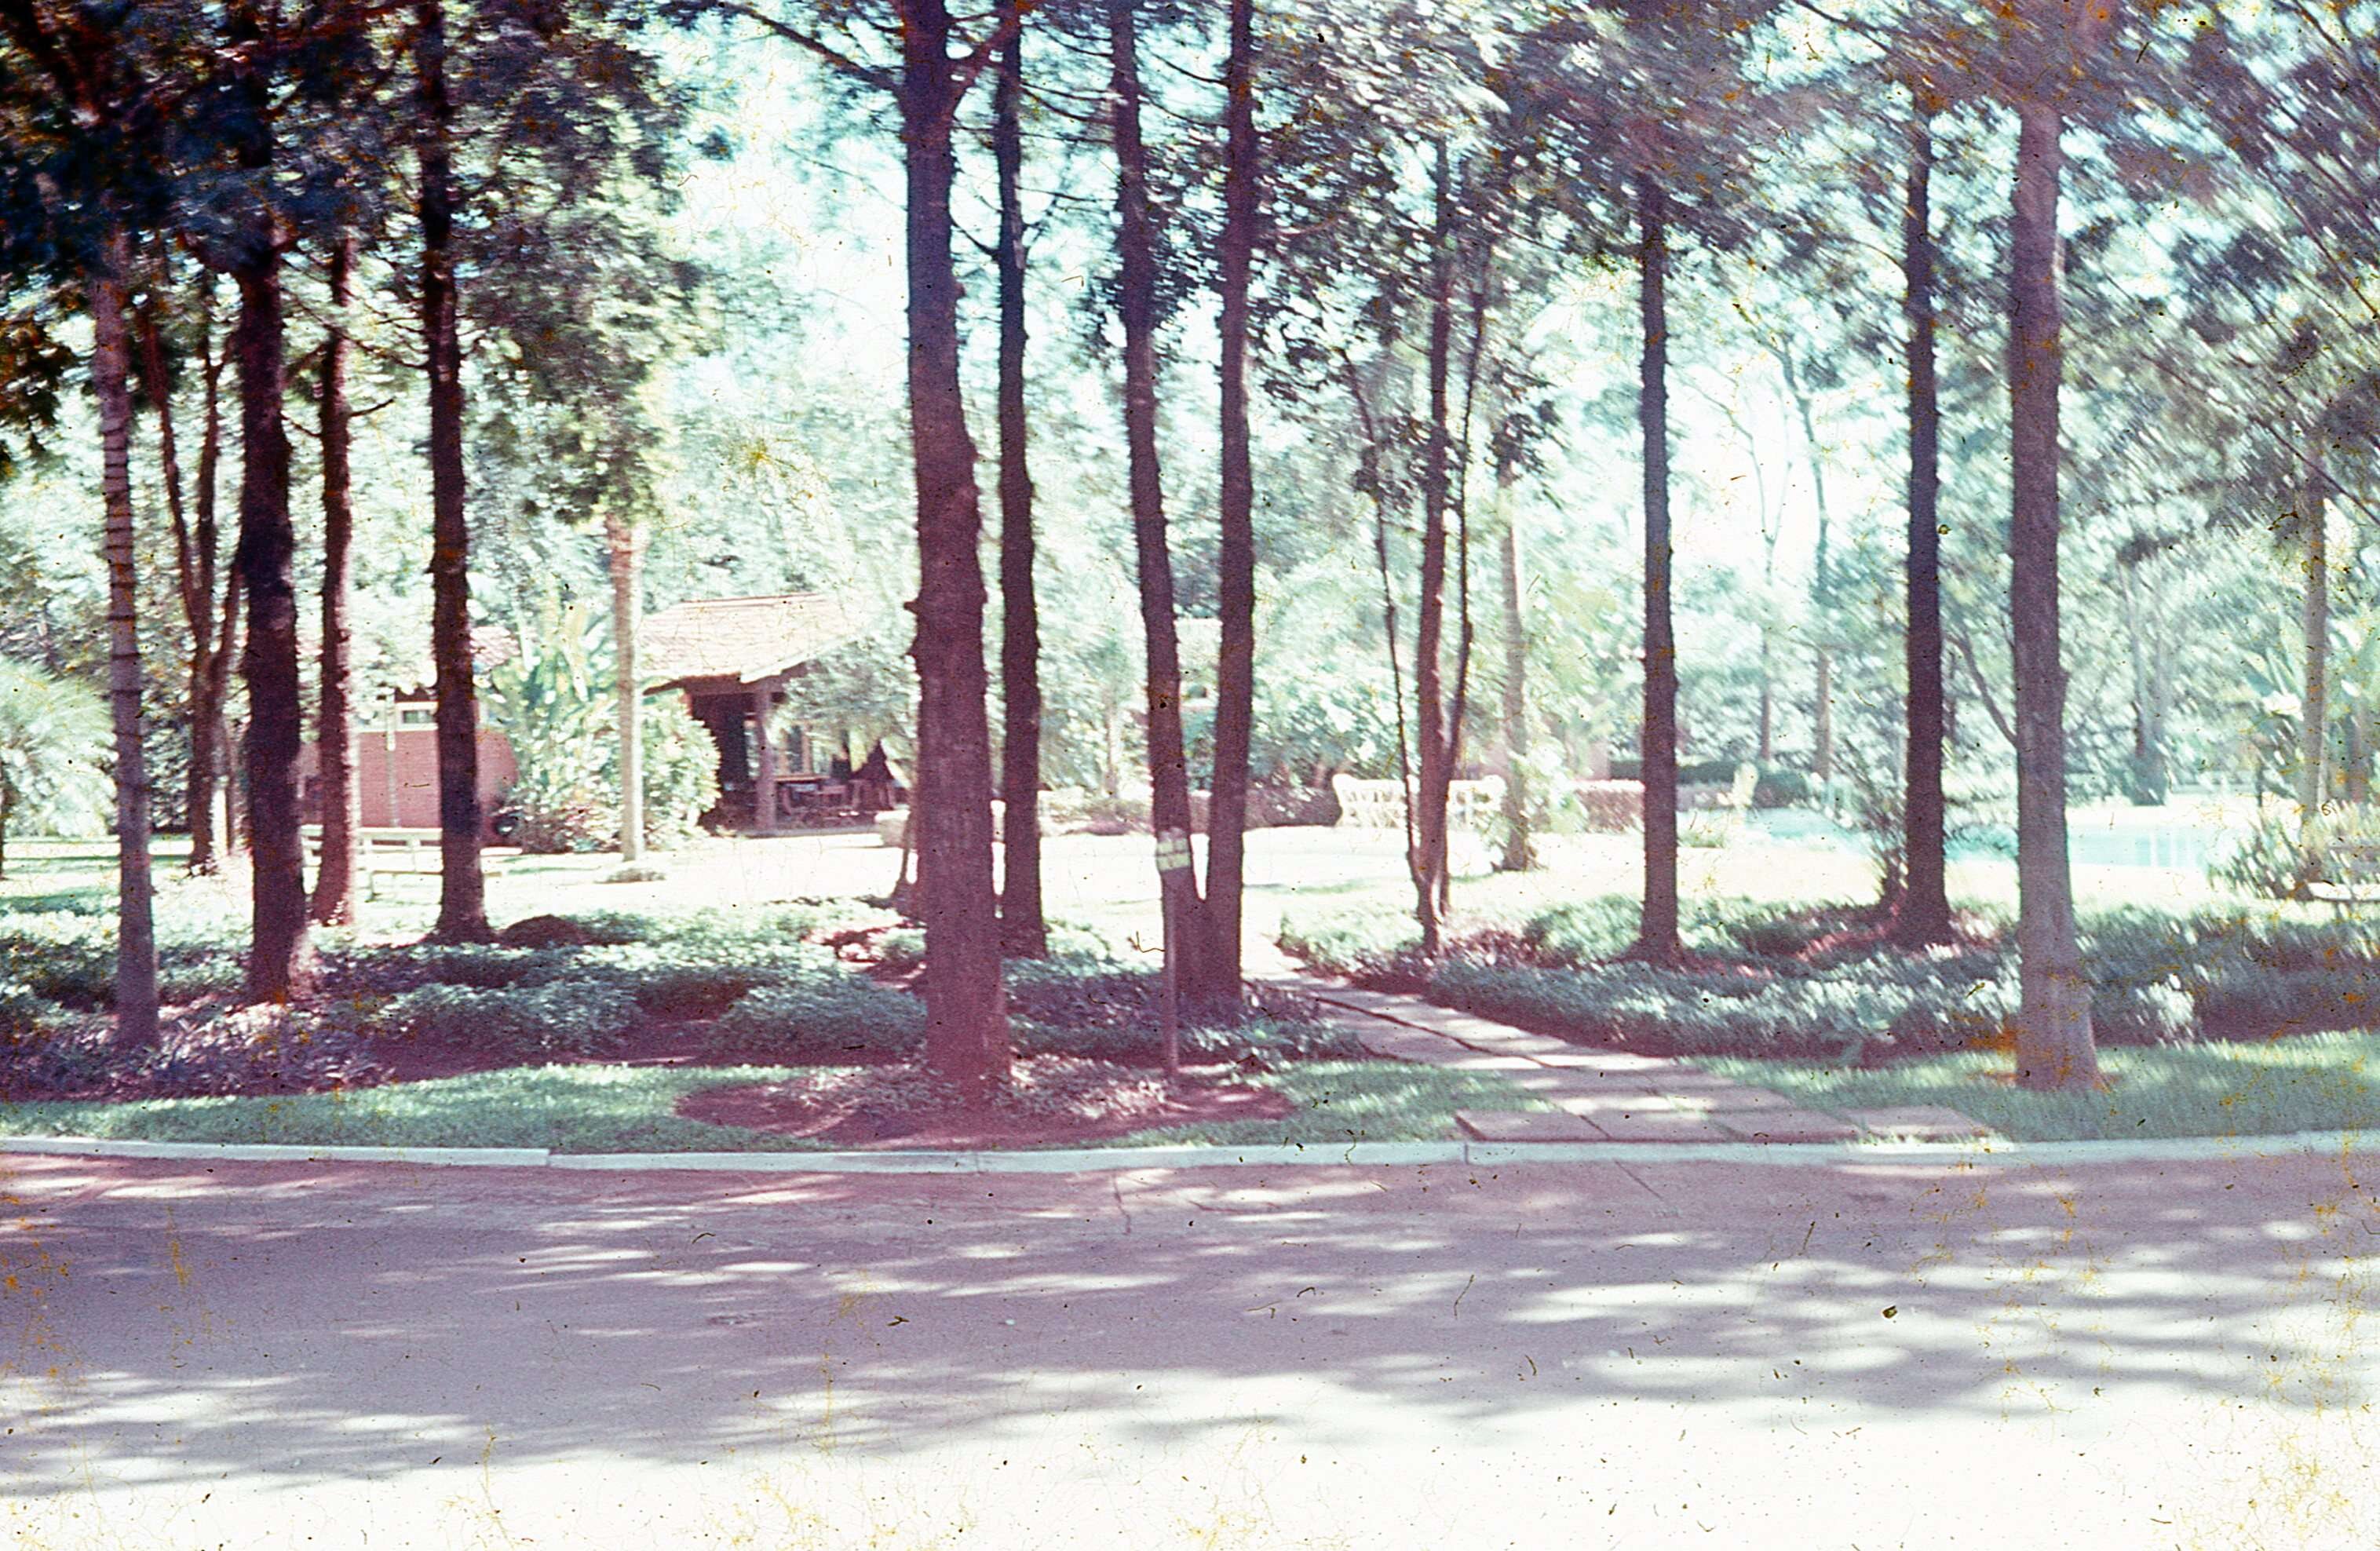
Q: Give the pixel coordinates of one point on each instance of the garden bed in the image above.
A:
(786, 1028)
(1822, 981)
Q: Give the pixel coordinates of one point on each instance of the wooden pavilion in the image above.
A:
(731, 659)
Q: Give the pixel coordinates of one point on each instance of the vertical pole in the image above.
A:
(1173, 1024)
(764, 764)
(1172, 865)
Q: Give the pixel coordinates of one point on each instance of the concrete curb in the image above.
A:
(1359, 1154)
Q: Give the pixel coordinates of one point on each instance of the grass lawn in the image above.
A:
(602, 1108)
(2318, 1082)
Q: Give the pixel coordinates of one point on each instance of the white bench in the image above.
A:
(382, 852)
(1381, 804)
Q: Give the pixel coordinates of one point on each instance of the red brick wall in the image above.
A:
(414, 757)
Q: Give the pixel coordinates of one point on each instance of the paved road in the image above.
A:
(1869, 1355)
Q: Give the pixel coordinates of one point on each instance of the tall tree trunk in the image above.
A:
(278, 964)
(198, 558)
(136, 939)
(2314, 726)
(1822, 580)
(1922, 916)
(1227, 809)
(1429, 710)
(229, 605)
(2054, 1045)
(966, 1040)
(279, 961)
(1465, 634)
(1656, 934)
(341, 802)
(1520, 847)
(626, 543)
(1023, 930)
(463, 890)
(1168, 766)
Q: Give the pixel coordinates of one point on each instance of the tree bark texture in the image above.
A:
(1520, 848)
(341, 802)
(1169, 767)
(211, 622)
(463, 890)
(136, 940)
(2313, 723)
(1922, 916)
(2053, 1044)
(1429, 611)
(1227, 810)
(279, 959)
(624, 543)
(1657, 935)
(966, 1041)
(1024, 930)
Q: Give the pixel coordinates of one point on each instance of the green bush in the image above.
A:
(819, 1019)
(1781, 788)
(575, 1017)
(902, 949)
(2265, 860)
(482, 966)
(64, 958)
(554, 704)
(1374, 948)
(691, 977)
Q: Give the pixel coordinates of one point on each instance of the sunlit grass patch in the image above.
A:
(603, 1108)
(2325, 1082)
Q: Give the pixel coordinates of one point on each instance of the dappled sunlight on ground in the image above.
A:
(1663, 1347)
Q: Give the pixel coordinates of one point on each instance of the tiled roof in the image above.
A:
(744, 638)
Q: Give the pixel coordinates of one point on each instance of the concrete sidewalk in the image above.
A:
(1658, 1352)
(1602, 1096)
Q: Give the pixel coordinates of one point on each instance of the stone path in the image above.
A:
(1604, 1095)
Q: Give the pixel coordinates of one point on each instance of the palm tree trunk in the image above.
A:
(136, 940)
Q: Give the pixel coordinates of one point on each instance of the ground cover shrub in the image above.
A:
(261, 1049)
(575, 1017)
(901, 949)
(1371, 948)
(52, 1053)
(484, 966)
(689, 976)
(818, 1019)
(1259, 1041)
(68, 958)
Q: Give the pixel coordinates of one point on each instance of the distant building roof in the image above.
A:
(746, 640)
